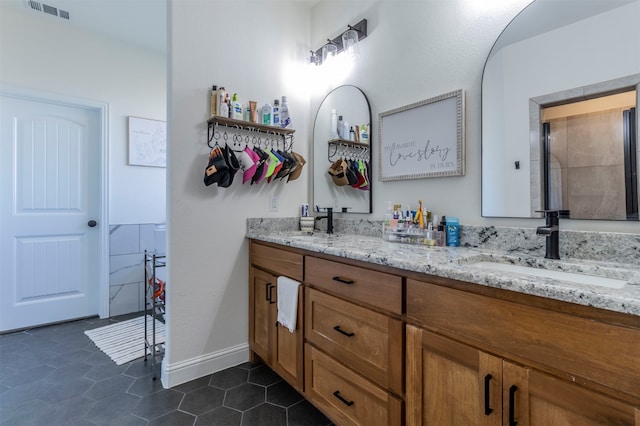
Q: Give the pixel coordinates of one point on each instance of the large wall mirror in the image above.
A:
(559, 112)
(348, 187)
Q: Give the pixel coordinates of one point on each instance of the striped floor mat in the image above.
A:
(124, 341)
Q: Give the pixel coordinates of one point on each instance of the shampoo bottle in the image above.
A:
(285, 118)
(266, 114)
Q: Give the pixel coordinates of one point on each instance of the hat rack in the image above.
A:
(348, 149)
(249, 133)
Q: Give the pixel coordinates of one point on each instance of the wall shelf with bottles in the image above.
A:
(339, 147)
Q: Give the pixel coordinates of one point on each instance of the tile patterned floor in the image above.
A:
(55, 375)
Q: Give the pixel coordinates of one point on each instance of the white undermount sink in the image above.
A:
(558, 275)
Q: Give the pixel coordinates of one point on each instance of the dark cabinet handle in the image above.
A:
(512, 403)
(487, 400)
(341, 331)
(343, 280)
(271, 302)
(92, 223)
(266, 292)
(341, 398)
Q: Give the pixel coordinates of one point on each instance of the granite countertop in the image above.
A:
(476, 265)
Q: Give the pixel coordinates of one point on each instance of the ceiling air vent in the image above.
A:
(48, 9)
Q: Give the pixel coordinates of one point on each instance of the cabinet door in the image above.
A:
(531, 398)
(287, 348)
(262, 296)
(449, 383)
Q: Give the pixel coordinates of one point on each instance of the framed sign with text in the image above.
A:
(424, 139)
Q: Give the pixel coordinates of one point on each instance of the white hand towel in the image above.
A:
(288, 302)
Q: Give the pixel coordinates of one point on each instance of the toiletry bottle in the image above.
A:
(352, 134)
(441, 236)
(275, 114)
(453, 229)
(285, 118)
(334, 124)
(236, 111)
(266, 114)
(340, 126)
(222, 106)
(247, 112)
(214, 100)
(345, 130)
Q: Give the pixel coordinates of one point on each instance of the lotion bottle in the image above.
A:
(236, 108)
(340, 127)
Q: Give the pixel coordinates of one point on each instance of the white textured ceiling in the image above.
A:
(139, 22)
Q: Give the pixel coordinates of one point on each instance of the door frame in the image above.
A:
(103, 110)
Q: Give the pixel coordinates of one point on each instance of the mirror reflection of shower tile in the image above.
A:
(597, 191)
(595, 139)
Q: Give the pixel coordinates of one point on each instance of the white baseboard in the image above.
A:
(191, 369)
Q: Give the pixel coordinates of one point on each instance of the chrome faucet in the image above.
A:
(329, 218)
(552, 231)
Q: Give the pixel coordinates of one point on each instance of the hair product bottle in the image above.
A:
(285, 118)
(266, 114)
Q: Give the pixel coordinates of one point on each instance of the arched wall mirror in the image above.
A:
(559, 112)
(329, 151)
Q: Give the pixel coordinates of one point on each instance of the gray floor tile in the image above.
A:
(202, 400)
(229, 378)
(222, 416)
(158, 404)
(263, 376)
(245, 396)
(265, 415)
(56, 376)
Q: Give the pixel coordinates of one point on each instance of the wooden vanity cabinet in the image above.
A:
(354, 343)
(270, 341)
(476, 360)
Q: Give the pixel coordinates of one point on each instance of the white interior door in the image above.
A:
(50, 190)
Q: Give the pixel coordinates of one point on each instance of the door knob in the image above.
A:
(92, 223)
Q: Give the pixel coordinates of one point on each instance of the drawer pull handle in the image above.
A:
(341, 331)
(266, 295)
(512, 403)
(271, 302)
(343, 280)
(487, 408)
(341, 398)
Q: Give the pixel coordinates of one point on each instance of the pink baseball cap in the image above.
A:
(250, 165)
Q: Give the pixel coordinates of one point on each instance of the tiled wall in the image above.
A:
(590, 151)
(127, 244)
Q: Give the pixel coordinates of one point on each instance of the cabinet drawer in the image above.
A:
(583, 348)
(364, 340)
(373, 288)
(346, 397)
(281, 262)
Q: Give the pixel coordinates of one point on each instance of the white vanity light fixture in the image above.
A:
(347, 41)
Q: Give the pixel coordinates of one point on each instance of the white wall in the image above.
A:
(40, 53)
(256, 49)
